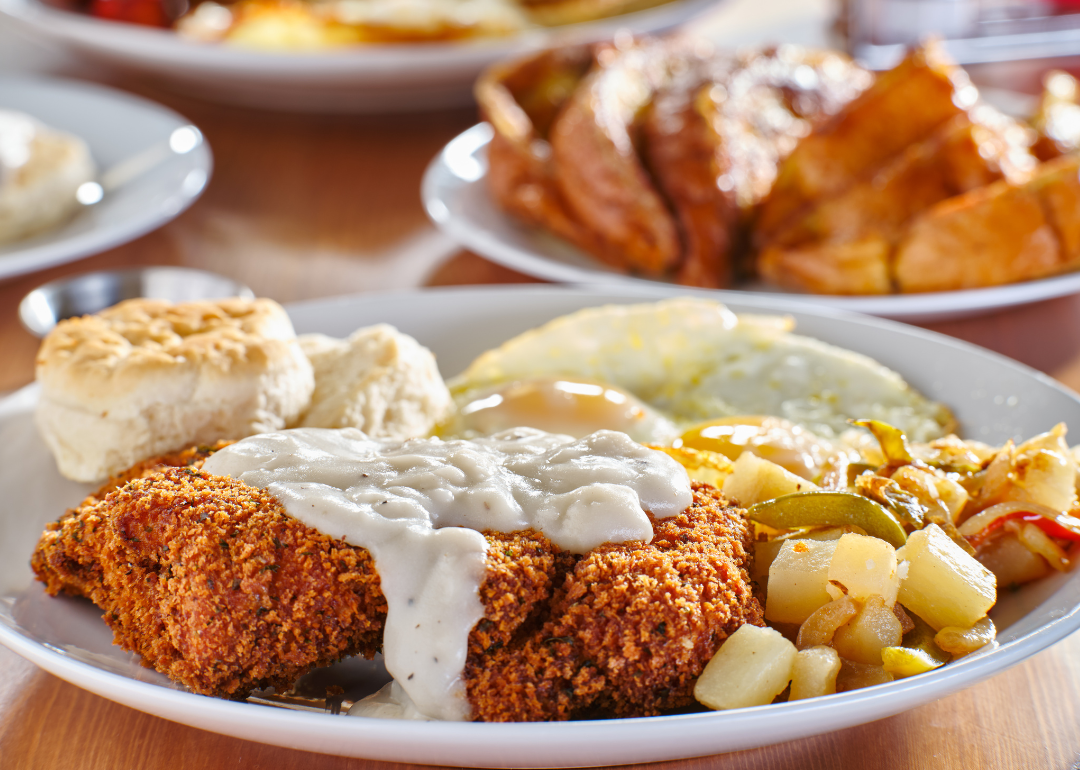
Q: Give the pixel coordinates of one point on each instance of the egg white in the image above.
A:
(694, 360)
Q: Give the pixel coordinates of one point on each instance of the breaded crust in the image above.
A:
(193, 456)
(213, 584)
(631, 627)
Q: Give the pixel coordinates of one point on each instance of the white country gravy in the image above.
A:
(417, 507)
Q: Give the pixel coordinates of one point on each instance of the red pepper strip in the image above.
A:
(1063, 526)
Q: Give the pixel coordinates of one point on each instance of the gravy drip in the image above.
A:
(418, 508)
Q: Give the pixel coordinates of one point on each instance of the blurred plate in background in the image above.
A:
(456, 197)
(371, 78)
(116, 127)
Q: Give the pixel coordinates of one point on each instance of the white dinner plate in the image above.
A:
(368, 78)
(993, 397)
(116, 126)
(456, 197)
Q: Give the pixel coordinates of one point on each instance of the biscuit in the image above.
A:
(40, 171)
(378, 380)
(147, 376)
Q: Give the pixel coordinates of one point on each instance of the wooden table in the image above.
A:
(305, 206)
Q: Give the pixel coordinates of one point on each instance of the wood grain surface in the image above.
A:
(302, 207)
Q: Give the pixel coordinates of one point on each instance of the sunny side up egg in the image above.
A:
(690, 370)
(559, 405)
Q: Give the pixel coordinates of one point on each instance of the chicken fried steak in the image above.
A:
(213, 584)
(630, 627)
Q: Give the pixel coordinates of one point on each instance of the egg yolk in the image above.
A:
(558, 405)
(771, 438)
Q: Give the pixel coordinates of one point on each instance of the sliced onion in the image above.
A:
(1037, 541)
(987, 519)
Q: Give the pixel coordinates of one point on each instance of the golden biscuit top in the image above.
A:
(110, 353)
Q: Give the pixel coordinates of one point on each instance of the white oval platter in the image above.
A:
(993, 397)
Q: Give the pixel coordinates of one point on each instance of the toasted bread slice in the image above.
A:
(598, 170)
(713, 143)
(520, 99)
(1058, 185)
(997, 234)
(970, 151)
(859, 266)
(680, 150)
(904, 106)
(962, 155)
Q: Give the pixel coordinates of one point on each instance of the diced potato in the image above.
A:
(751, 668)
(753, 480)
(863, 637)
(820, 627)
(864, 566)
(797, 579)
(963, 641)
(933, 488)
(944, 585)
(765, 550)
(814, 673)
(907, 661)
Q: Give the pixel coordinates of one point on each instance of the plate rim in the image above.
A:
(443, 743)
(164, 47)
(60, 250)
(441, 184)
